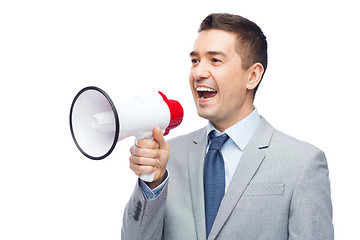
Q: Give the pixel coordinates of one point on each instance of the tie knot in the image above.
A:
(217, 142)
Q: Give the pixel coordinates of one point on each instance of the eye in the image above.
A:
(194, 60)
(216, 60)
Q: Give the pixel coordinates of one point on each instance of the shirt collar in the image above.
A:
(241, 132)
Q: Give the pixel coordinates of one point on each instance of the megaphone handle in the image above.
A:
(146, 177)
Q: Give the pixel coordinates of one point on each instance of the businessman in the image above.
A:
(238, 177)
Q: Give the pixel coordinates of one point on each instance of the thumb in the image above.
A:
(159, 138)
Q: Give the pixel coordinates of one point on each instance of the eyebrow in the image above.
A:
(210, 53)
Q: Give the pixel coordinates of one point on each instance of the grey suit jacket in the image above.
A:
(280, 190)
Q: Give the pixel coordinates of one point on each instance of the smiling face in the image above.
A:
(222, 90)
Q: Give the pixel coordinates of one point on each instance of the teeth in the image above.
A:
(205, 89)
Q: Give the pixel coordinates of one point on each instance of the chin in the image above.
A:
(205, 114)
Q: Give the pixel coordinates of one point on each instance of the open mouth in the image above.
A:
(205, 92)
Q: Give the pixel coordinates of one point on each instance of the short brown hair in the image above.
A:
(251, 45)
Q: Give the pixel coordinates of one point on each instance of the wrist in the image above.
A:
(158, 181)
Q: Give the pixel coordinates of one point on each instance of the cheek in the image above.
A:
(191, 83)
(233, 90)
(191, 79)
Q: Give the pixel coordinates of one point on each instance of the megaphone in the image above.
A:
(97, 123)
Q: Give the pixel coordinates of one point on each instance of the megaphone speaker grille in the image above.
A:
(95, 143)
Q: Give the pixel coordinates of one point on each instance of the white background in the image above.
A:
(49, 50)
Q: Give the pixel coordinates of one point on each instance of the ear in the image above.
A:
(255, 73)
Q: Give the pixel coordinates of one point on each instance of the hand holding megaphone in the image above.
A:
(149, 157)
(97, 123)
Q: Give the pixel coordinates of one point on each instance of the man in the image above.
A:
(258, 184)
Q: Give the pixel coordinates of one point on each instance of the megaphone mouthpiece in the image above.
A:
(103, 121)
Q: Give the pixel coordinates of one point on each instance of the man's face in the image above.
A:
(217, 80)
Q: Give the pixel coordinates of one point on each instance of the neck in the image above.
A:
(245, 111)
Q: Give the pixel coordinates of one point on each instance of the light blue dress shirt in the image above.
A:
(239, 135)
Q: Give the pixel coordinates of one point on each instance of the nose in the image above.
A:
(200, 72)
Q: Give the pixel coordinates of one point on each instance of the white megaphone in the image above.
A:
(97, 123)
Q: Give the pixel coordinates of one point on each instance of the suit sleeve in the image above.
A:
(143, 218)
(310, 214)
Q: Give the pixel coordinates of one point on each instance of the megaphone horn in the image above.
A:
(97, 123)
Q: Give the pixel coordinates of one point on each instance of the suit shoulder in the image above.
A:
(283, 142)
(281, 136)
(279, 141)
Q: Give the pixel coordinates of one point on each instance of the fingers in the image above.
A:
(138, 169)
(146, 143)
(138, 151)
(143, 160)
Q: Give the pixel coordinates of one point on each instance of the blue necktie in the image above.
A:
(214, 179)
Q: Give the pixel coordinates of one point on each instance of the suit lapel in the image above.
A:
(196, 164)
(251, 160)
